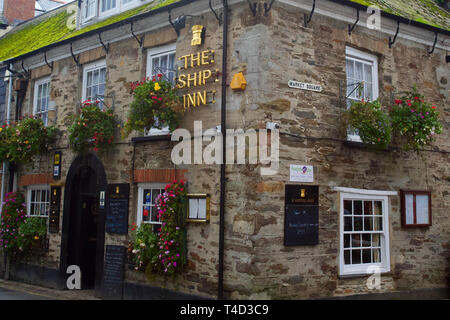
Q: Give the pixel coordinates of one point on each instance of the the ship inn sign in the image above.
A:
(197, 73)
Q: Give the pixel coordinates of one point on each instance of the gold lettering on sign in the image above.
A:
(196, 35)
(197, 78)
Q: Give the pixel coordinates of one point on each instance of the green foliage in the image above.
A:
(154, 98)
(20, 141)
(19, 234)
(144, 248)
(416, 120)
(92, 129)
(371, 122)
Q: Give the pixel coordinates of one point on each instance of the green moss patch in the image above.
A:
(423, 11)
(53, 27)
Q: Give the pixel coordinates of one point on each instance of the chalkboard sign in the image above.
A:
(113, 272)
(117, 208)
(301, 225)
(301, 221)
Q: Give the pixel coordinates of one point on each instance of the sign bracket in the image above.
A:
(352, 27)
(308, 18)
(392, 41)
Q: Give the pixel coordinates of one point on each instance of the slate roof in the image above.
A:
(51, 28)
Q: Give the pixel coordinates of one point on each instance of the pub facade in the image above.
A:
(308, 212)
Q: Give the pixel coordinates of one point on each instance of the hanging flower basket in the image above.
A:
(372, 124)
(22, 140)
(93, 129)
(155, 105)
(415, 120)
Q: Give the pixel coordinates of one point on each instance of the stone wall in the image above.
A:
(270, 50)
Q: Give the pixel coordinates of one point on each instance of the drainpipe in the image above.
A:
(222, 166)
(8, 111)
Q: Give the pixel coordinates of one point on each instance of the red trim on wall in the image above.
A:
(38, 178)
(158, 175)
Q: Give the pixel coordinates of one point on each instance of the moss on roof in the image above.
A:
(423, 11)
(53, 27)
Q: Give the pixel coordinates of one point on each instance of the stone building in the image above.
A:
(299, 59)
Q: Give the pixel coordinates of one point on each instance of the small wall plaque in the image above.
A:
(198, 208)
(57, 165)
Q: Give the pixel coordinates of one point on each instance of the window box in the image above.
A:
(415, 208)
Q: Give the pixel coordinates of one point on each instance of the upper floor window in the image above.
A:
(161, 60)
(362, 80)
(102, 8)
(94, 81)
(90, 9)
(41, 98)
(107, 5)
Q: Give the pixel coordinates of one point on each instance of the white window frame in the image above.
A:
(366, 268)
(37, 84)
(151, 53)
(92, 67)
(140, 206)
(35, 187)
(366, 58)
(109, 11)
(85, 18)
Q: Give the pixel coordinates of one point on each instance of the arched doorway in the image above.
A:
(83, 229)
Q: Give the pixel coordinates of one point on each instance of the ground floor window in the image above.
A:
(38, 200)
(364, 233)
(146, 209)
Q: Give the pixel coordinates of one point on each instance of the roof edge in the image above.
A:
(396, 17)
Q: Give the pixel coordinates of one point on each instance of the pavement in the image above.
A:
(13, 290)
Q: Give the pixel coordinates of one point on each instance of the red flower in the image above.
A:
(398, 101)
(416, 98)
(433, 107)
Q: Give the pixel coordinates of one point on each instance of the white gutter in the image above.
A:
(8, 111)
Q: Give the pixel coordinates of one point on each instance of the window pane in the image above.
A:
(32, 209)
(366, 241)
(409, 208)
(359, 75)
(356, 240)
(368, 207)
(347, 207)
(146, 213)
(346, 241)
(376, 240)
(154, 214)
(358, 224)
(367, 256)
(356, 256)
(376, 255)
(378, 208)
(348, 225)
(378, 224)
(368, 223)
(357, 207)
(350, 68)
(347, 257)
(422, 209)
